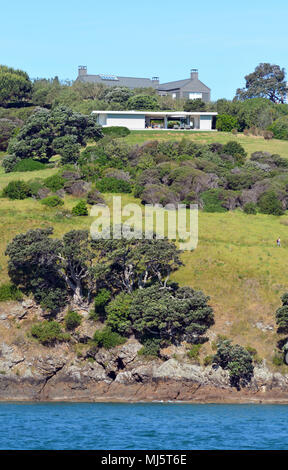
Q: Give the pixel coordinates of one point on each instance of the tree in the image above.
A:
(47, 133)
(282, 315)
(73, 267)
(136, 262)
(280, 128)
(194, 105)
(226, 123)
(267, 81)
(169, 314)
(15, 85)
(270, 204)
(237, 360)
(145, 102)
(118, 95)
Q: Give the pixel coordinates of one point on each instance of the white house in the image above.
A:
(141, 120)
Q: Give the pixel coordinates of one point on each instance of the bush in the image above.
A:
(151, 347)
(72, 320)
(113, 185)
(101, 300)
(52, 201)
(9, 291)
(116, 131)
(17, 190)
(237, 360)
(29, 165)
(250, 208)
(80, 209)
(54, 183)
(269, 204)
(225, 123)
(282, 315)
(107, 338)
(278, 360)
(280, 128)
(9, 162)
(193, 353)
(211, 201)
(236, 150)
(118, 313)
(208, 360)
(48, 332)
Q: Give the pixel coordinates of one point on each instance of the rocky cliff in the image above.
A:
(78, 372)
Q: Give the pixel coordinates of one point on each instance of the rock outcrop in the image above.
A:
(79, 371)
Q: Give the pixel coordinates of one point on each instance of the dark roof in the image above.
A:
(191, 85)
(129, 82)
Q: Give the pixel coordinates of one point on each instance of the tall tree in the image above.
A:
(15, 85)
(267, 81)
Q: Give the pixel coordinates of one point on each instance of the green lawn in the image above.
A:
(250, 143)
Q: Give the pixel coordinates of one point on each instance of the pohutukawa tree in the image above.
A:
(267, 81)
(60, 131)
(72, 268)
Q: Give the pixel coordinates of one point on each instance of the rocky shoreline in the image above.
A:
(30, 371)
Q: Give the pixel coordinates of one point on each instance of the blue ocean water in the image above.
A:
(147, 426)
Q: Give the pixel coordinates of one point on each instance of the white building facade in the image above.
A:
(145, 120)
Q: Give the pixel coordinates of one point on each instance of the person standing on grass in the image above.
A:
(278, 242)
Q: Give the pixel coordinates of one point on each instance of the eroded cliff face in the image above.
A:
(76, 372)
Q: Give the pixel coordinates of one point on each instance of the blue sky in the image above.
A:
(225, 40)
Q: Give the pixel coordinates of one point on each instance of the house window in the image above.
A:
(195, 96)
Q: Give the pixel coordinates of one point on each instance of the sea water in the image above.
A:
(148, 426)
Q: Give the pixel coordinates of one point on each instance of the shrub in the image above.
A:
(118, 313)
(9, 162)
(17, 190)
(94, 197)
(268, 135)
(72, 320)
(29, 165)
(116, 131)
(107, 338)
(250, 208)
(278, 360)
(208, 360)
(236, 150)
(151, 347)
(9, 291)
(237, 360)
(225, 123)
(211, 201)
(269, 204)
(102, 298)
(282, 315)
(52, 201)
(280, 128)
(54, 183)
(80, 209)
(113, 185)
(48, 332)
(193, 353)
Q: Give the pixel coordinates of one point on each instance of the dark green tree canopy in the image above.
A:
(237, 360)
(47, 133)
(267, 81)
(168, 314)
(15, 85)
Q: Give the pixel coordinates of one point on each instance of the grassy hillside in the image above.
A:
(250, 143)
(236, 263)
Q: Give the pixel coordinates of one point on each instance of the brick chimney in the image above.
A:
(194, 74)
(82, 70)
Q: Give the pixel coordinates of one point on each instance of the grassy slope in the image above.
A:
(250, 143)
(236, 262)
